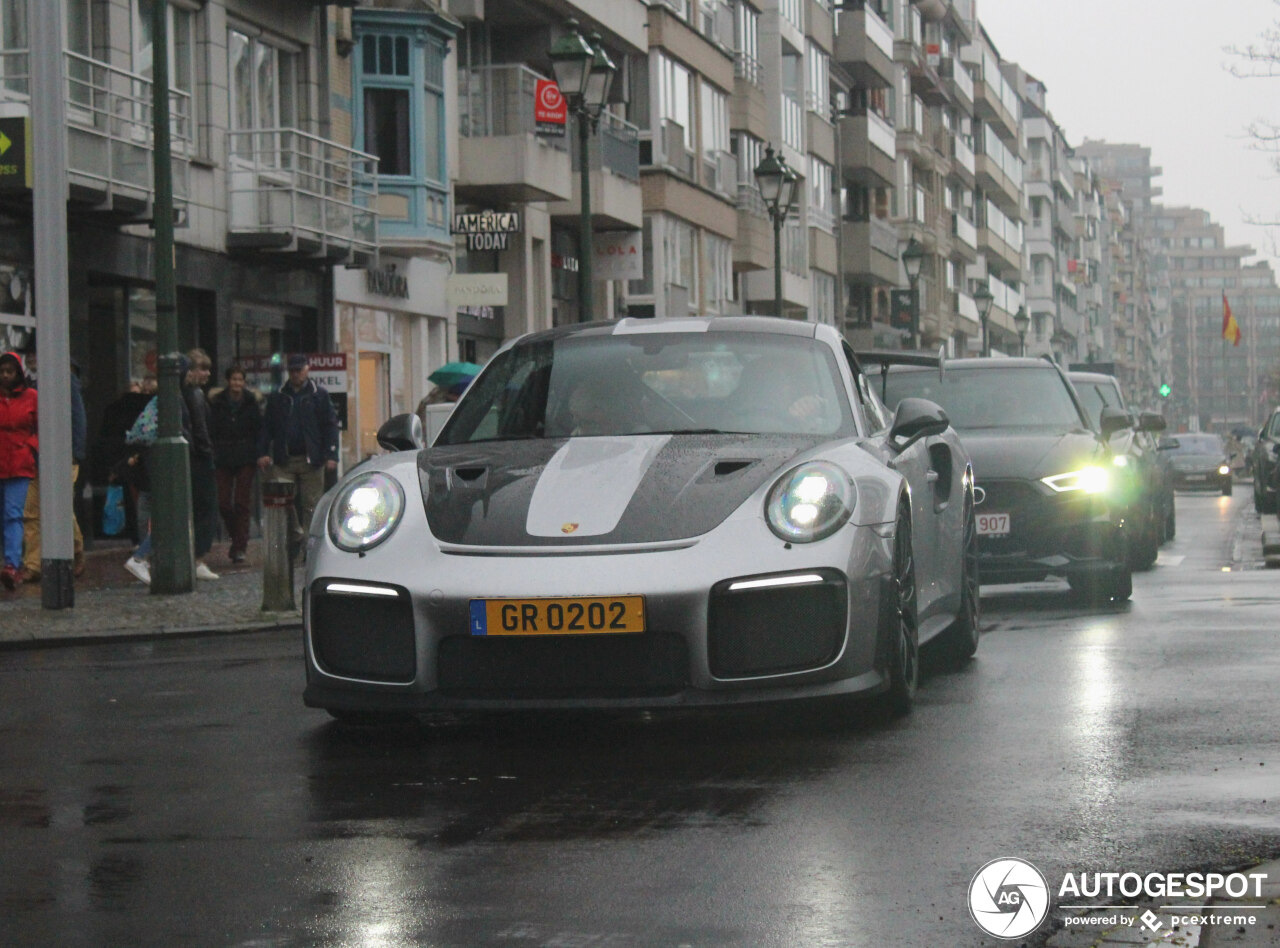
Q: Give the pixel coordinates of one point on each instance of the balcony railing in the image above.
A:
(292, 191)
(616, 148)
(110, 128)
(494, 101)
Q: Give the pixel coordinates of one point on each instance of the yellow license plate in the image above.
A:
(597, 615)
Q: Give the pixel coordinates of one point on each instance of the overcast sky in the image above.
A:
(1154, 73)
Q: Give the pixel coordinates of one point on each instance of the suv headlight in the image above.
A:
(1092, 480)
(365, 512)
(810, 502)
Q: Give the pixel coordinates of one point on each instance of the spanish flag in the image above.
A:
(1230, 328)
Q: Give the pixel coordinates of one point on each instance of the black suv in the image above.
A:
(1265, 465)
(1047, 486)
(1142, 472)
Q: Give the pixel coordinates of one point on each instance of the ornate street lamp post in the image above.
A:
(912, 258)
(777, 184)
(584, 72)
(984, 299)
(1022, 322)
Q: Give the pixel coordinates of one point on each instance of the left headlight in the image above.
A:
(365, 512)
(810, 502)
(1091, 480)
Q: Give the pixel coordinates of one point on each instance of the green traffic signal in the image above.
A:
(1165, 390)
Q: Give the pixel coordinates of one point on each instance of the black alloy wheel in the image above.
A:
(960, 641)
(903, 638)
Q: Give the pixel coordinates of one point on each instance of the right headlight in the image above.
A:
(1092, 479)
(365, 512)
(810, 502)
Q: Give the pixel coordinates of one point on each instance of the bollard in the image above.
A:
(277, 564)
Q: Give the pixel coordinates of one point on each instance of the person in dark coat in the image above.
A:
(204, 489)
(19, 447)
(236, 421)
(299, 441)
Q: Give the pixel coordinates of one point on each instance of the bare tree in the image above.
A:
(1261, 60)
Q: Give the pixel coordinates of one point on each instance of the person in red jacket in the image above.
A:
(18, 446)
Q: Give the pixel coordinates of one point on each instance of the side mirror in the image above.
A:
(917, 418)
(401, 433)
(1168, 444)
(1151, 421)
(1111, 421)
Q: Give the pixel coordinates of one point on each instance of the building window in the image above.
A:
(719, 258)
(262, 89)
(821, 206)
(386, 129)
(675, 96)
(817, 93)
(746, 42)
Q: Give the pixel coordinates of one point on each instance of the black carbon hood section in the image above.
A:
(589, 491)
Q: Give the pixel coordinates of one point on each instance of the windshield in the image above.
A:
(1199, 444)
(991, 396)
(1096, 396)
(661, 382)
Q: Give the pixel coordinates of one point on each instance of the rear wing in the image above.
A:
(886, 358)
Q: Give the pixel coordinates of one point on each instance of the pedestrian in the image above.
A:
(204, 490)
(19, 447)
(299, 442)
(32, 555)
(135, 471)
(111, 451)
(236, 424)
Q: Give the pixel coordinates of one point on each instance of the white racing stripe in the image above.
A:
(587, 485)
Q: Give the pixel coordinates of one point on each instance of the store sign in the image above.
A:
(618, 256)
(328, 369)
(550, 112)
(386, 282)
(15, 153)
(560, 261)
(487, 230)
(476, 289)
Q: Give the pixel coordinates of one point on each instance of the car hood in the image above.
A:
(1029, 454)
(599, 490)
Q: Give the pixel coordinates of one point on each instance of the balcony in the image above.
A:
(613, 157)
(958, 83)
(864, 47)
(501, 159)
(963, 162)
(110, 142)
(869, 251)
(867, 150)
(926, 81)
(965, 244)
(290, 192)
(753, 248)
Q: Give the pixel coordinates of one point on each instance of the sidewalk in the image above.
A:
(110, 604)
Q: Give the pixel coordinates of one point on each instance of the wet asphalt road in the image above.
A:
(178, 793)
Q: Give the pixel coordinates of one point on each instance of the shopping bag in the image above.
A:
(113, 511)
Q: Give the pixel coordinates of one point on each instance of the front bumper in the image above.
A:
(1201, 480)
(1050, 534)
(389, 631)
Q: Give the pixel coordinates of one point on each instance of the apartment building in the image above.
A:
(1139, 295)
(268, 202)
(1215, 385)
(1091, 272)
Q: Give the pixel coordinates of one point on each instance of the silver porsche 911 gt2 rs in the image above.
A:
(646, 513)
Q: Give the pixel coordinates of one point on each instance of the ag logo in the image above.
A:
(549, 97)
(1008, 898)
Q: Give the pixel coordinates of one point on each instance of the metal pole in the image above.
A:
(49, 207)
(915, 313)
(777, 214)
(173, 566)
(587, 309)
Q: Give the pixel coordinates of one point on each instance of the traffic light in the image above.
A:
(1165, 390)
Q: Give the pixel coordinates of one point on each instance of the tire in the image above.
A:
(1145, 549)
(1226, 489)
(901, 633)
(1171, 521)
(1263, 502)
(1113, 585)
(960, 641)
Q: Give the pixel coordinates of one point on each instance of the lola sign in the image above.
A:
(617, 255)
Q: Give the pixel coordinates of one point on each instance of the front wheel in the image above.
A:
(960, 641)
(901, 633)
(1226, 489)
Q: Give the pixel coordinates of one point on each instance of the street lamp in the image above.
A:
(912, 258)
(984, 299)
(777, 184)
(584, 72)
(1022, 322)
